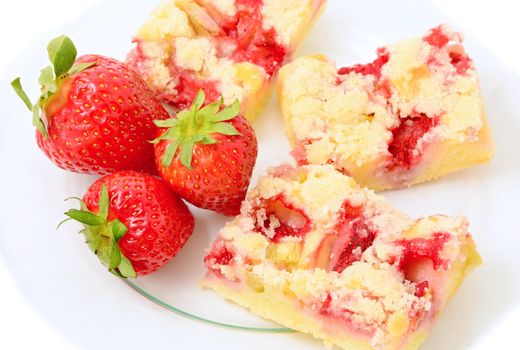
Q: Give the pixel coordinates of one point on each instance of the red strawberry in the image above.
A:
(207, 155)
(133, 222)
(95, 115)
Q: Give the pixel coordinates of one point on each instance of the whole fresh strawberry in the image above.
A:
(95, 115)
(207, 155)
(133, 222)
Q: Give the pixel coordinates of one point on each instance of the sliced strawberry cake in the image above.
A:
(232, 48)
(412, 115)
(315, 252)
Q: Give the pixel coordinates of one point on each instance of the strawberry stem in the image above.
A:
(196, 125)
(62, 54)
(102, 235)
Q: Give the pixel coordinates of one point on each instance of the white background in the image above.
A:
(495, 23)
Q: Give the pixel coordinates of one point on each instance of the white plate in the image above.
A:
(65, 283)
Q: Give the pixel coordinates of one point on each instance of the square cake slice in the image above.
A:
(412, 115)
(315, 252)
(228, 48)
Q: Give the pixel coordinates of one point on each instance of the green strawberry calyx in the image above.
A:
(102, 235)
(196, 125)
(62, 54)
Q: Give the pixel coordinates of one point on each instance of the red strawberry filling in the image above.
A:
(291, 221)
(264, 52)
(381, 86)
(416, 314)
(187, 88)
(218, 256)
(241, 38)
(254, 44)
(405, 138)
(354, 236)
(460, 61)
(421, 288)
(373, 68)
(417, 248)
(437, 38)
(419, 261)
(324, 309)
(458, 58)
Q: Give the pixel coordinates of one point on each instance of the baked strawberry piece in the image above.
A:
(412, 115)
(315, 252)
(232, 48)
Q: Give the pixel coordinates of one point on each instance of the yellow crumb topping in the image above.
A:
(375, 291)
(165, 22)
(288, 18)
(347, 119)
(187, 37)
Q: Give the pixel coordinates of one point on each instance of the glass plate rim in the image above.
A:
(204, 320)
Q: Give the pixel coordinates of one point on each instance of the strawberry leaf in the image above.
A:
(227, 113)
(169, 153)
(187, 154)
(81, 202)
(196, 125)
(168, 135)
(62, 54)
(85, 217)
(62, 222)
(103, 203)
(114, 255)
(92, 239)
(103, 250)
(224, 129)
(47, 82)
(80, 67)
(211, 109)
(167, 123)
(102, 236)
(199, 100)
(17, 87)
(208, 140)
(184, 114)
(118, 229)
(37, 120)
(126, 269)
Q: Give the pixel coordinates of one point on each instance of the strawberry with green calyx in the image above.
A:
(62, 54)
(133, 222)
(94, 115)
(207, 155)
(102, 235)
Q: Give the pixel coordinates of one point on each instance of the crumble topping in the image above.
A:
(232, 48)
(164, 23)
(194, 53)
(285, 17)
(225, 7)
(376, 121)
(355, 260)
